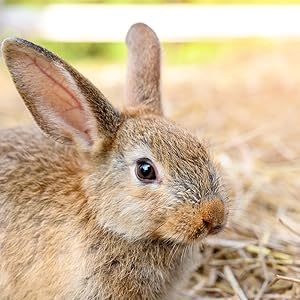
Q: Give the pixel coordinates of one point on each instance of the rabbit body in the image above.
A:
(100, 204)
(51, 246)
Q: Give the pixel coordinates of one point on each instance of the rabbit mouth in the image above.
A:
(201, 233)
(189, 235)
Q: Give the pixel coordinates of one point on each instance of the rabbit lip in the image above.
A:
(199, 234)
(216, 229)
(206, 230)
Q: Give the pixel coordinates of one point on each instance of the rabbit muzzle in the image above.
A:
(188, 222)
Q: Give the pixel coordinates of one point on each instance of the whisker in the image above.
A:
(161, 225)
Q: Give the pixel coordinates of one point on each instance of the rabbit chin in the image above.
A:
(184, 235)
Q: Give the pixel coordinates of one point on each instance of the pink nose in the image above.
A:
(212, 215)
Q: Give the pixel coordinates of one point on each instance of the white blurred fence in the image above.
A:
(175, 22)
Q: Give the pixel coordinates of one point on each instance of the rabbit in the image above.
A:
(95, 202)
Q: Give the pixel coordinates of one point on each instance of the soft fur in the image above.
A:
(75, 222)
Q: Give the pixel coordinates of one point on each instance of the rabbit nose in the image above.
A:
(212, 215)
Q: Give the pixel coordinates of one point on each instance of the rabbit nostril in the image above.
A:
(218, 227)
(211, 228)
(207, 224)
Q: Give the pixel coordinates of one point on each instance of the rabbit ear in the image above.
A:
(63, 102)
(143, 70)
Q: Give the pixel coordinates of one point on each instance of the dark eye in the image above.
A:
(145, 170)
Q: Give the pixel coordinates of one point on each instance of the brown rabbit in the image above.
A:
(105, 204)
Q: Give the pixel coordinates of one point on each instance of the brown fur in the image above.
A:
(75, 221)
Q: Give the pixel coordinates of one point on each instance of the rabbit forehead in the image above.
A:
(162, 139)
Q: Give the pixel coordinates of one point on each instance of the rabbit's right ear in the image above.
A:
(63, 102)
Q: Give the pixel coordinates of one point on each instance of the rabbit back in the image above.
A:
(38, 227)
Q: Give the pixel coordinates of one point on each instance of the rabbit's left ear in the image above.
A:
(143, 70)
(64, 103)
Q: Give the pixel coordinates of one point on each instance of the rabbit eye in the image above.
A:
(145, 171)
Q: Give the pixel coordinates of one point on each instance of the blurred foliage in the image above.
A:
(202, 52)
(42, 2)
(86, 51)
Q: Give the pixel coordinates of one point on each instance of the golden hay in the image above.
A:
(248, 106)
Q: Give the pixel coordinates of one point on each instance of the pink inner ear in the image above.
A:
(59, 93)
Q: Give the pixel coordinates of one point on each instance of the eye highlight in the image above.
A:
(145, 170)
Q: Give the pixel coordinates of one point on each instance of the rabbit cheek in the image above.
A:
(129, 212)
(126, 218)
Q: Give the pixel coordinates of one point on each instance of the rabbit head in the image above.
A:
(144, 177)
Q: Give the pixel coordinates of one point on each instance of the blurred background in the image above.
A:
(230, 74)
